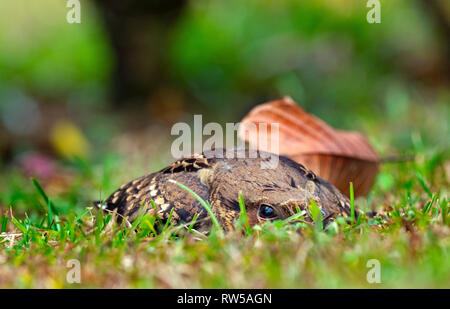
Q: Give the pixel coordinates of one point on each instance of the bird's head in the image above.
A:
(268, 193)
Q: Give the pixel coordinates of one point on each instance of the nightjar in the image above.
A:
(220, 176)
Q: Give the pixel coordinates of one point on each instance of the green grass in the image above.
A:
(411, 242)
(46, 223)
(220, 55)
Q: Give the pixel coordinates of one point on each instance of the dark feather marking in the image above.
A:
(292, 183)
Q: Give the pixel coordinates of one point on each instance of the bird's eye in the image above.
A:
(266, 212)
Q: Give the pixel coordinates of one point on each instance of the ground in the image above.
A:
(411, 244)
(58, 125)
(48, 223)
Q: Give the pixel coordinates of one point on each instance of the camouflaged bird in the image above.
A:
(220, 176)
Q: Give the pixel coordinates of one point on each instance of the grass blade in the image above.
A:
(19, 225)
(204, 204)
(4, 223)
(50, 206)
(243, 215)
(168, 219)
(352, 202)
(316, 215)
(192, 223)
(424, 186)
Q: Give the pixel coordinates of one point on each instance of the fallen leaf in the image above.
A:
(339, 157)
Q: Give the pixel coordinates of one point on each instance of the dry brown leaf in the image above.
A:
(338, 156)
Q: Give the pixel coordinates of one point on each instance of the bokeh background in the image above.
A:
(84, 107)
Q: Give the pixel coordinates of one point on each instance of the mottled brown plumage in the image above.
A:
(268, 193)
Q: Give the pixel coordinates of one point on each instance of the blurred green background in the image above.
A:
(106, 91)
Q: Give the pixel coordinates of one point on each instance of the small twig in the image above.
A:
(115, 212)
(175, 229)
(51, 224)
(10, 234)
